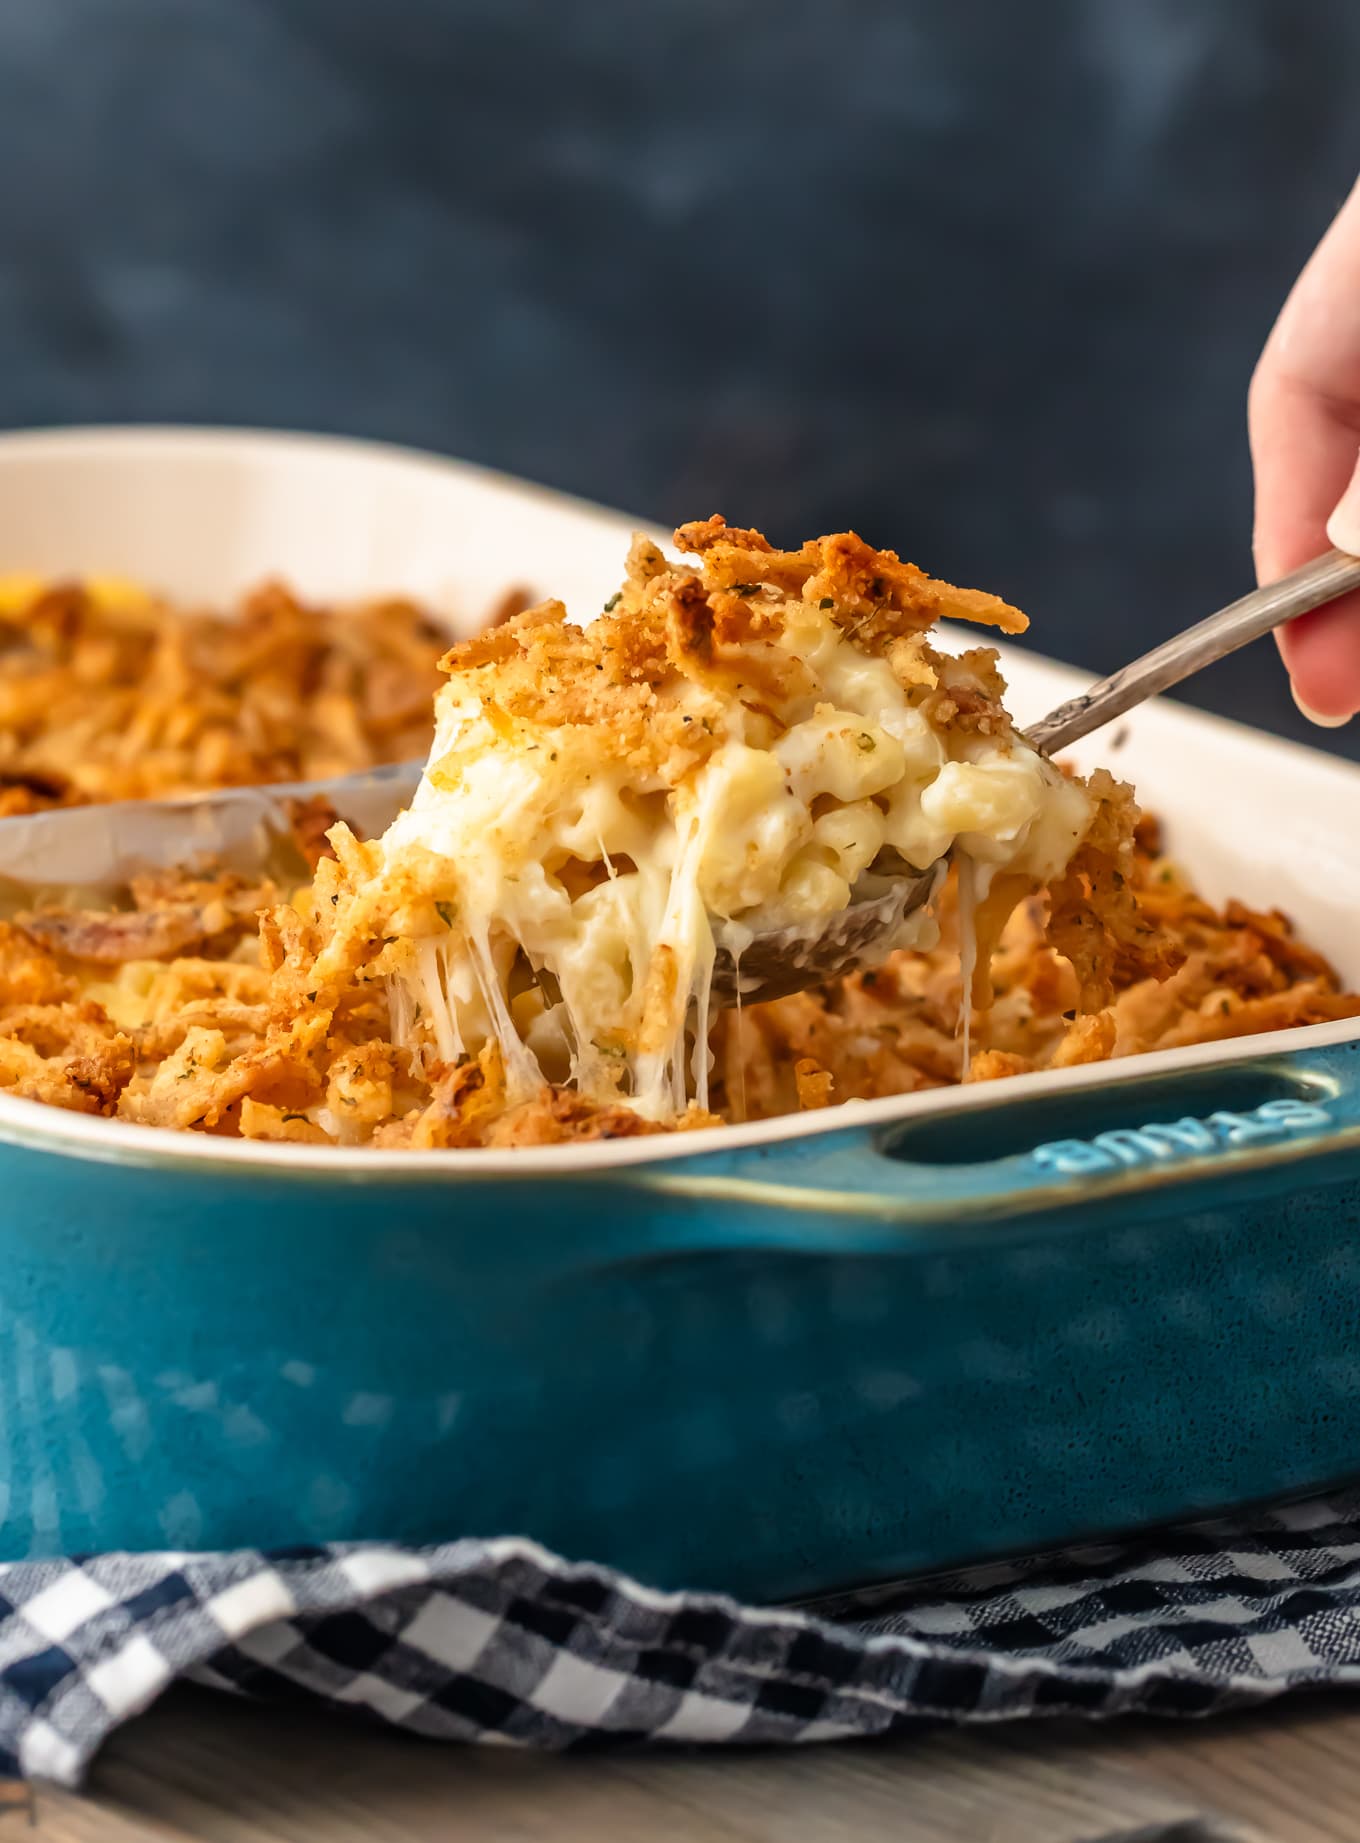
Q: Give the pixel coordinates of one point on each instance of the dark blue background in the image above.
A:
(983, 278)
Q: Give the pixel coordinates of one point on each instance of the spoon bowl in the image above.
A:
(752, 968)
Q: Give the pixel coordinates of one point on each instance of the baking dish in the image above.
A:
(777, 1359)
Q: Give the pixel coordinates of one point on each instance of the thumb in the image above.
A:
(1322, 650)
(1343, 527)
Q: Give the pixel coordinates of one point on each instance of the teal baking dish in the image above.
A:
(775, 1368)
(778, 1359)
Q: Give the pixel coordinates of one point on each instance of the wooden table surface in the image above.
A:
(209, 1769)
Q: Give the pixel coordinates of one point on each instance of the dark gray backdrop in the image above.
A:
(983, 278)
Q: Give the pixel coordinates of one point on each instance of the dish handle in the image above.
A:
(1246, 1123)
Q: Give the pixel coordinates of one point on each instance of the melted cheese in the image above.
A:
(579, 898)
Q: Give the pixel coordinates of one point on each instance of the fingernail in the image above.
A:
(1343, 527)
(1316, 716)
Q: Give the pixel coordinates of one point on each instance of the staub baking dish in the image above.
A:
(778, 1359)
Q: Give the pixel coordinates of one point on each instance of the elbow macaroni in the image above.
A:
(565, 881)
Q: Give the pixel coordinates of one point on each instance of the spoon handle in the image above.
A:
(1258, 613)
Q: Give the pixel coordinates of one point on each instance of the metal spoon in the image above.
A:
(80, 847)
(787, 960)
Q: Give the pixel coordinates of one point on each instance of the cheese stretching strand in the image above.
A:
(725, 750)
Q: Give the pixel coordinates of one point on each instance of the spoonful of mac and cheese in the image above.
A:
(746, 774)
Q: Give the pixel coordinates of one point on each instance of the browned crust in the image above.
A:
(101, 701)
(711, 629)
(247, 1051)
(1118, 956)
(864, 586)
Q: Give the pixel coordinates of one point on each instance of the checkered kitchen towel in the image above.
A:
(500, 1641)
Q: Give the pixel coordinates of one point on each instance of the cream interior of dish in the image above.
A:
(579, 900)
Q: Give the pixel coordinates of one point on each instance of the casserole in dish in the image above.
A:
(778, 1358)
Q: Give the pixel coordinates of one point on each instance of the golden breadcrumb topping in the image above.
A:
(107, 693)
(211, 1037)
(736, 743)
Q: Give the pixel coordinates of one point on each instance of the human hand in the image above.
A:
(1303, 413)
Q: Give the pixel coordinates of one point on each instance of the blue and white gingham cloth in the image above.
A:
(500, 1641)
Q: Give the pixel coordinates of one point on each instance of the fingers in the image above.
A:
(1304, 420)
(1321, 652)
(1304, 457)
